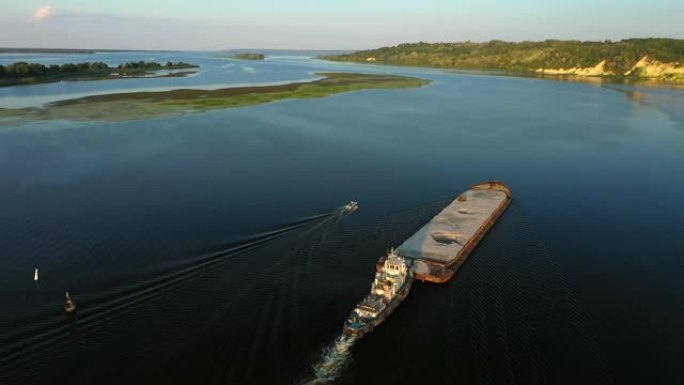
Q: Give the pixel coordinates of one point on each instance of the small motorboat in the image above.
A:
(69, 305)
(351, 207)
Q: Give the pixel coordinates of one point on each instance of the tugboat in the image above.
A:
(392, 283)
(69, 305)
(351, 207)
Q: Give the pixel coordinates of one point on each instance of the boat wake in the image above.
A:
(25, 336)
(333, 360)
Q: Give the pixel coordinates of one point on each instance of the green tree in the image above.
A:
(67, 68)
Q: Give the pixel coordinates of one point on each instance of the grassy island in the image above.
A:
(248, 56)
(34, 73)
(657, 59)
(141, 105)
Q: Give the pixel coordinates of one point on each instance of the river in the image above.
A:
(210, 249)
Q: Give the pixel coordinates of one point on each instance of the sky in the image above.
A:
(324, 24)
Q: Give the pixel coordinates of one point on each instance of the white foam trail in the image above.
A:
(333, 359)
(248, 69)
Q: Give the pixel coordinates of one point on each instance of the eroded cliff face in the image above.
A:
(597, 70)
(645, 68)
(651, 68)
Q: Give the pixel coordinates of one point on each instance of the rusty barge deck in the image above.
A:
(439, 248)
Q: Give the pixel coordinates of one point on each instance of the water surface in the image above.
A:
(209, 248)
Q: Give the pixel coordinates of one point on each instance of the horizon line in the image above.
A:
(318, 49)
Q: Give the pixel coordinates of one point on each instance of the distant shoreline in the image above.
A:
(609, 79)
(22, 73)
(653, 59)
(18, 50)
(247, 56)
(87, 51)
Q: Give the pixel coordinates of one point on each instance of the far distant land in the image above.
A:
(22, 73)
(248, 56)
(71, 50)
(638, 59)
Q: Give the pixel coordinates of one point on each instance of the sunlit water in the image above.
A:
(211, 248)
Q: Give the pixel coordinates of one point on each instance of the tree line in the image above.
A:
(24, 69)
(620, 56)
(249, 56)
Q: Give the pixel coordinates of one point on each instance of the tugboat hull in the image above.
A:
(372, 323)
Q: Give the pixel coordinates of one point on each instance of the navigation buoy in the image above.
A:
(69, 305)
(35, 276)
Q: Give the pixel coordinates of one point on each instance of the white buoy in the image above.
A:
(35, 275)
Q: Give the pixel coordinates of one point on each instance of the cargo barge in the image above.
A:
(440, 247)
(432, 254)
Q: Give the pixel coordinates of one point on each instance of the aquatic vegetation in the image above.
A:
(141, 105)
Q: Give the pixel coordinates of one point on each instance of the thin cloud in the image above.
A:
(44, 13)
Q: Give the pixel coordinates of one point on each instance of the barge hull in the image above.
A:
(439, 268)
